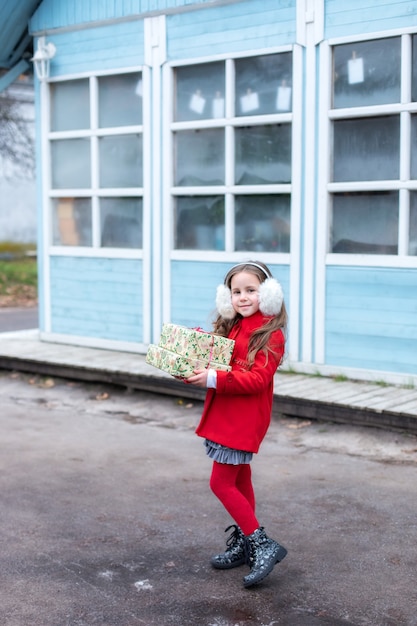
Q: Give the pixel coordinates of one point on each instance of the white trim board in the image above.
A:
(94, 342)
(350, 373)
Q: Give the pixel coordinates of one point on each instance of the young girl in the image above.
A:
(238, 406)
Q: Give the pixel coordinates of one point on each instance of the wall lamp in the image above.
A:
(42, 57)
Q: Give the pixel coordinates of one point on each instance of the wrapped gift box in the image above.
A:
(177, 365)
(196, 344)
(182, 350)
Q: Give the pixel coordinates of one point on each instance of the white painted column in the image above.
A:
(44, 212)
(310, 20)
(155, 57)
(323, 214)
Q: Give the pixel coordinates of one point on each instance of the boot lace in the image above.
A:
(234, 536)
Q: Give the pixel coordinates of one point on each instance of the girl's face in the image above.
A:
(245, 293)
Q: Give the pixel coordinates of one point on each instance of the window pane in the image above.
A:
(365, 223)
(263, 154)
(199, 92)
(413, 144)
(70, 162)
(199, 223)
(367, 73)
(263, 84)
(414, 71)
(413, 224)
(121, 161)
(121, 222)
(367, 149)
(262, 223)
(71, 222)
(70, 105)
(120, 100)
(199, 157)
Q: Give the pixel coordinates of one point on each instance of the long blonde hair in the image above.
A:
(259, 339)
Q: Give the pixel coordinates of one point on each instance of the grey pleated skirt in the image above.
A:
(223, 454)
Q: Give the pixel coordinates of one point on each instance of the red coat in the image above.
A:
(237, 413)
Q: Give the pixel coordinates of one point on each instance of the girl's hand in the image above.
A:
(198, 379)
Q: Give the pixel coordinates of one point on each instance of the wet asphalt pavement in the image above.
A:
(18, 318)
(108, 520)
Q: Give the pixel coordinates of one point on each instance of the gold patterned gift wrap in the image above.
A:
(196, 343)
(183, 350)
(177, 365)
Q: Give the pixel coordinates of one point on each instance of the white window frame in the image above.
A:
(403, 185)
(228, 189)
(95, 192)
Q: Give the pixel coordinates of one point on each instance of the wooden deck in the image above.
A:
(296, 395)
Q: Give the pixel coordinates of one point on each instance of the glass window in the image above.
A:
(120, 100)
(263, 223)
(200, 92)
(365, 223)
(413, 144)
(414, 70)
(199, 157)
(121, 222)
(77, 164)
(70, 105)
(259, 154)
(71, 222)
(263, 154)
(264, 84)
(120, 161)
(71, 168)
(374, 149)
(367, 73)
(413, 225)
(367, 149)
(199, 223)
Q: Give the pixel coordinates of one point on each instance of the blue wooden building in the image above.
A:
(177, 137)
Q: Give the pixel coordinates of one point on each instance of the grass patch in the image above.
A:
(340, 378)
(18, 274)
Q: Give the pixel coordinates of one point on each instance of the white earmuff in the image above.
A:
(271, 298)
(224, 302)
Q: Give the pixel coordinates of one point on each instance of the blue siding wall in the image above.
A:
(230, 28)
(99, 298)
(193, 291)
(238, 27)
(371, 313)
(59, 13)
(371, 318)
(367, 16)
(108, 47)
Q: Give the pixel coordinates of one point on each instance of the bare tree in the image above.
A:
(17, 146)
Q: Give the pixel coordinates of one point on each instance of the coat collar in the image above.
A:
(249, 324)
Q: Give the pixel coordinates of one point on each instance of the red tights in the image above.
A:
(232, 484)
